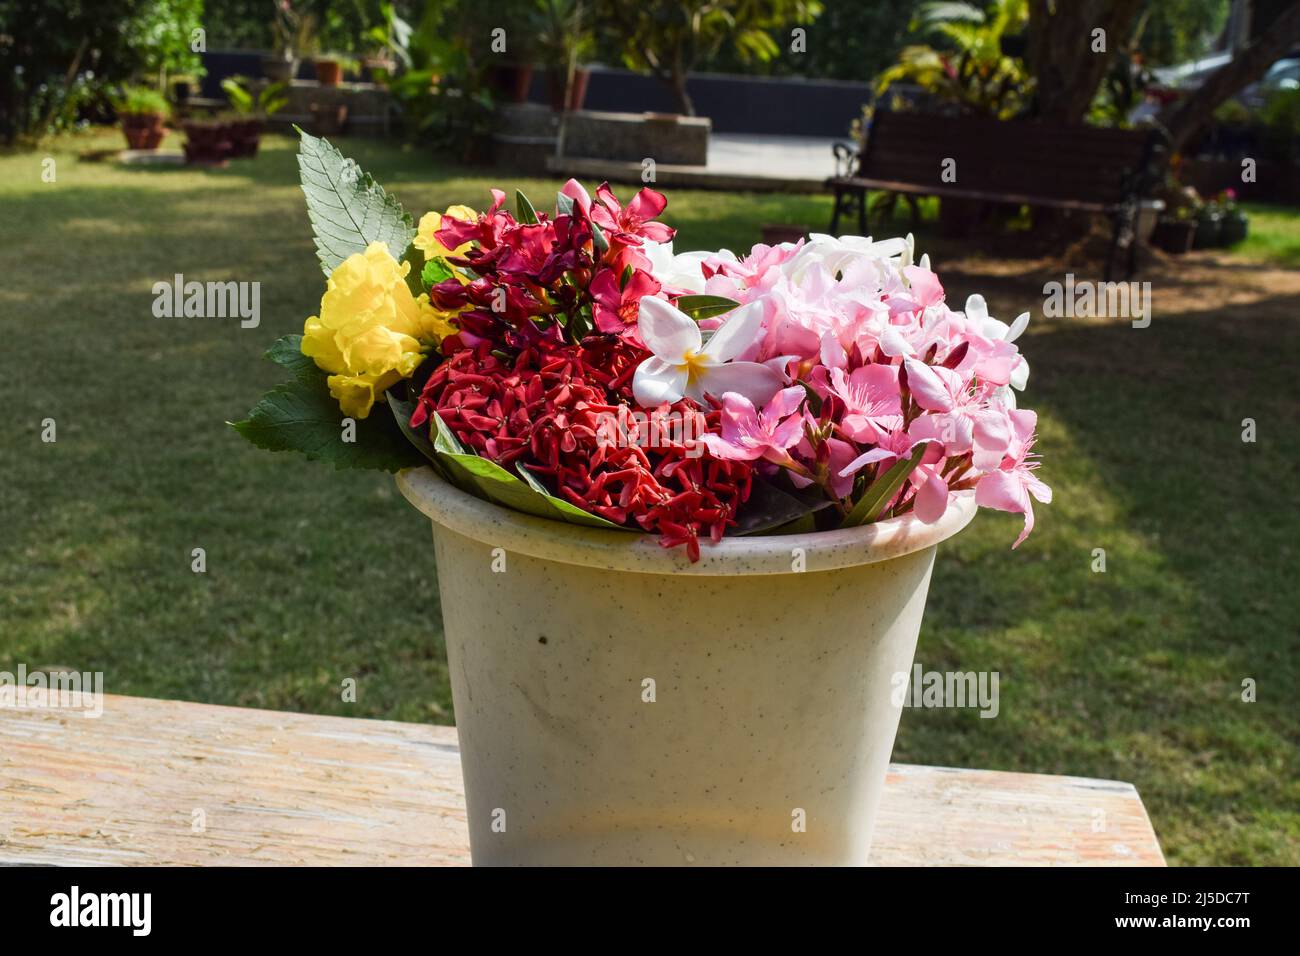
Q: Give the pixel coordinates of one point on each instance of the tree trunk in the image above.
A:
(1061, 56)
(1184, 117)
(680, 93)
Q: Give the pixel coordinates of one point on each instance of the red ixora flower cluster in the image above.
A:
(543, 363)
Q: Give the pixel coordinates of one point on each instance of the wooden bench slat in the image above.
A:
(858, 182)
(282, 788)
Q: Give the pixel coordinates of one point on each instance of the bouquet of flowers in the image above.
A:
(572, 365)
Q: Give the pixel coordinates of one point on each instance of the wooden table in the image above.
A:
(165, 782)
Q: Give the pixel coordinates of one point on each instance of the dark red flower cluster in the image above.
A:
(543, 361)
(549, 409)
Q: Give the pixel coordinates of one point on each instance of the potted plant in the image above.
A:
(1209, 225)
(389, 41)
(142, 112)
(1175, 233)
(683, 544)
(567, 39)
(208, 142)
(338, 39)
(295, 36)
(183, 87)
(1234, 225)
(252, 104)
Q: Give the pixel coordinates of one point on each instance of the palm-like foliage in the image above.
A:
(968, 67)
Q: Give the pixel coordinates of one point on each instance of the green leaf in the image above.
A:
(814, 400)
(347, 208)
(287, 353)
(705, 306)
(524, 211)
(572, 512)
(882, 490)
(487, 479)
(302, 416)
(770, 508)
(598, 240)
(435, 271)
(403, 409)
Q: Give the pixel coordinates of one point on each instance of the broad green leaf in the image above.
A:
(435, 271)
(287, 353)
(705, 306)
(301, 416)
(598, 240)
(524, 211)
(403, 409)
(770, 508)
(882, 490)
(347, 208)
(572, 512)
(489, 480)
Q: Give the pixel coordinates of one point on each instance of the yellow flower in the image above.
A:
(371, 332)
(431, 222)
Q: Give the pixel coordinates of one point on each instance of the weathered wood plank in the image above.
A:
(165, 782)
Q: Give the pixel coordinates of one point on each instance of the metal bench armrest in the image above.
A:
(846, 158)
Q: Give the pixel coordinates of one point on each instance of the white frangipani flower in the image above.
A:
(680, 271)
(684, 366)
(977, 311)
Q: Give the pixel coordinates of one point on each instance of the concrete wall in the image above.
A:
(788, 106)
(735, 104)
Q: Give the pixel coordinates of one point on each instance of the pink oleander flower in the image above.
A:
(634, 219)
(962, 420)
(748, 434)
(872, 406)
(616, 309)
(1009, 487)
(931, 499)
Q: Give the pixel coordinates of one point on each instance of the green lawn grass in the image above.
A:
(315, 576)
(1273, 237)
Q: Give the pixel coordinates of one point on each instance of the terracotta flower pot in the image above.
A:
(143, 130)
(512, 81)
(245, 137)
(208, 144)
(328, 72)
(577, 92)
(617, 704)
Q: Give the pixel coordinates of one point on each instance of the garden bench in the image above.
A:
(169, 783)
(1018, 162)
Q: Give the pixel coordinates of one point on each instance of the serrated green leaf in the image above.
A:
(287, 353)
(882, 490)
(302, 416)
(487, 479)
(705, 306)
(347, 208)
(524, 211)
